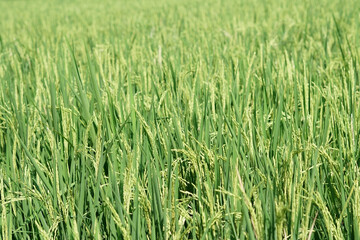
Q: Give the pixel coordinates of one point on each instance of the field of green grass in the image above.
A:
(168, 119)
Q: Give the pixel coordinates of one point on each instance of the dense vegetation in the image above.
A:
(181, 119)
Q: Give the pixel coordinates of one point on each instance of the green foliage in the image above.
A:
(182, 119)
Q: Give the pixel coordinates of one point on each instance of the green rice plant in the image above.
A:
(179, 119)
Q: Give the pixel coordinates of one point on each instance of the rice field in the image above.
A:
(182, 119)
